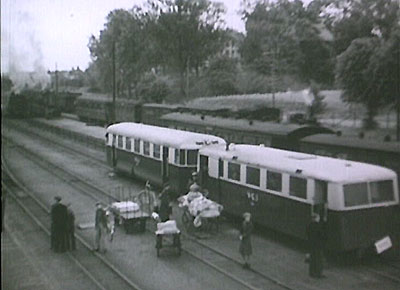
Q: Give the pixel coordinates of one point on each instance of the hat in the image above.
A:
(246, 214)
(194, 173)
(99, 203)
(58, 198)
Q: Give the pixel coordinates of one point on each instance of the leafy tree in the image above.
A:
(185, 34)
(283, 37)
(121, 43)
(221, 76)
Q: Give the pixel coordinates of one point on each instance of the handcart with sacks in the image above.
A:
(199, 212)
(168, 231)
(130, 215)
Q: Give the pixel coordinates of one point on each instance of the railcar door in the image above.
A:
(164, 165)
(203, 170)
(320, 200)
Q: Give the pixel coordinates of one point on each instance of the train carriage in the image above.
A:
(155, 153)
(282, 188)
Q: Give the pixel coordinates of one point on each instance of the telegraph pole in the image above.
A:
(398, 95)
(113, 117)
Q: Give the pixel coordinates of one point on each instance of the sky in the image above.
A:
(38, 35)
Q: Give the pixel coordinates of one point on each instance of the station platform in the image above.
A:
(75, 126)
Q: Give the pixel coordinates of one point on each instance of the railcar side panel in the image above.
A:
(277, 212)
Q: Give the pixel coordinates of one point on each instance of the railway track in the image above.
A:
(207, 255)
(210, 256)
(104, 276)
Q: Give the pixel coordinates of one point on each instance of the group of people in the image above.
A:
(62, 227)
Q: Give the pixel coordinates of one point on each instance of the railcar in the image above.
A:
(284, 136)
(97, 108)
(376, 152)
(282, 189)
(155, 153)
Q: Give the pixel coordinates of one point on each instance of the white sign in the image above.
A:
(383, 245)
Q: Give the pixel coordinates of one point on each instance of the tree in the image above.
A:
(355, 74)
(283, 37)
(121, 43)
(185, 34)
(221, 76)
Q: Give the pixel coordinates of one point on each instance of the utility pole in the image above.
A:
(56, 97)
(113, 117)
(398, 95)
(187, 78)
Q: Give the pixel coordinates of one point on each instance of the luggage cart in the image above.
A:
(131, 218)
(173, 238)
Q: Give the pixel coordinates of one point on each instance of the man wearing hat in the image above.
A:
(245, 247)
(147, 199)
(194, 180)
(59, 219)
(100, 227)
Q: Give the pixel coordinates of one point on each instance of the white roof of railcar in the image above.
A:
(318, 167)
(164, 136)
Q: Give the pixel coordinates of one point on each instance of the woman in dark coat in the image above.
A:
(165, 210)
(245, 248)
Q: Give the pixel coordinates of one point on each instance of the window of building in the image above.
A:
(355, 194)
(298, 187)
(146, 148)
(136, 145)
(234, 171)
(274, 181)
(156, 151)
(381, 191)
(128, 144)
(253, 176)
(192, 157)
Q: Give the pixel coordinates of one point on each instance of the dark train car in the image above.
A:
(243, 131)
(127, 111)
(152, 112)
(32, 103)
(17, 106)
(385, 154)
(93, 108)
(155, 153)
(281, 189)
(98, 109)
(67, 101)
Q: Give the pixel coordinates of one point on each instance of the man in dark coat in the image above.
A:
(58, 225)
(316, 240)
(165, 210)
(245, 248)
(100, 228)
(70, 234)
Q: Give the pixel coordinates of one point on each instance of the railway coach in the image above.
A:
(282, 189)
(155, 153)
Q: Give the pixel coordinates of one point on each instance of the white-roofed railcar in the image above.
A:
(282, 188)
(156, 154)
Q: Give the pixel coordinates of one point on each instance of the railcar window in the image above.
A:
(321, 191)
(220, 168)
(355, 194)
(274, 181)
(182, 157)
(298, 187)
(146, 148)
(381, 191)
(136, 145)
(234, 171)
(120, 141)
(253, 176)
(156, 151)
(192, 157)
(128, 144)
